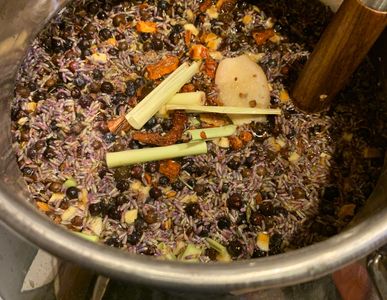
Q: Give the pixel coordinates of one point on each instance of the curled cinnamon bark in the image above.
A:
(179, 121)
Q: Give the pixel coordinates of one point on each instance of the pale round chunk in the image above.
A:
(242, 83)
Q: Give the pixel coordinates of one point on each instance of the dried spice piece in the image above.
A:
(42, 206)
(235, 142)
(205, 5)
(165, 66)
(170, 169)
(210, 67)
(146, 27)
(198, 51)
(213, 119)
(187, 37)
(118, 124)
(246, 136)
(171, 137)
(261, 37)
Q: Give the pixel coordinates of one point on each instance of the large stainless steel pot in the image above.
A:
(19, 21)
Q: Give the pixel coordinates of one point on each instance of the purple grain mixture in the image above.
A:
(298, 181)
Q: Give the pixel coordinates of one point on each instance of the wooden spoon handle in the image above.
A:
(342, 47)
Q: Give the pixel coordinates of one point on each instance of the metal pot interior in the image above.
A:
(20, 21)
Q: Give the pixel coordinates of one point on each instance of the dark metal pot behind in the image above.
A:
(20, 20)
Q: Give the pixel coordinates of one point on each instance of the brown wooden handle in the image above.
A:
(342, 47)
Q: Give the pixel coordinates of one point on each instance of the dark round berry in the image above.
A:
(119, 99)
(97, 74)
(211, 253)
(235, 248)
(131, 88)
(249, 161)
(150, 216)
(147, 46)
(191, 182)
(192, 169)
(178, 185)
(49, 153)
(95, 209)
(79, 81)
(85, 101)
(94, 87)
(113, 52)
(113, 241)
(234, 164)
(157, 43)
(256, 218)
(163, 180)
(275, 242)
(27, 171)
(119, 36)
(55, 187)
(136, 172)
(258, 253)
(224, 223)
(167, 125)
(133, 144)
(120, 200)
(107, 87)
(102, 15)
(140, 224)
(152, 167)
(32, 152)
(105, 34)
(155, 193)
(22, 91)
(118, 20)
(122, 185)
(75, 93)
(200, 189)
(234, 46)
(84, 44)
(39, 95)
(72, 192)
(151, 123)
(192, 209)
(162, 5)
(123, 46)
(235, 201)
(93, 7)
(134, 238)
(266, 209)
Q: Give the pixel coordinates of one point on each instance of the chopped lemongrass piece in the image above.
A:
(223, 254)
(130, 216)
(211, 133)
(152, 103)
(123, 158)
(192, 98)
(232, 110)
(191, 252)
(70, 183)
(89, 237)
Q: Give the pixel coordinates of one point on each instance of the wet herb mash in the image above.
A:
(266, 186)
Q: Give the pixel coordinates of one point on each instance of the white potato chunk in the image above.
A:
(242, 83)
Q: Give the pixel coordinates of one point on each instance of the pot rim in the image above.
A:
(285, 269)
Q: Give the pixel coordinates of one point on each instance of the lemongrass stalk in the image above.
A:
(89, 237)
(211, 133)
(151, 104)
(232, 110)
(191, 98)
(128, 157)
